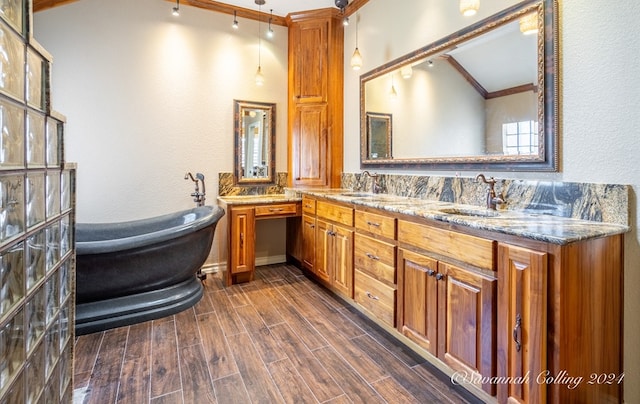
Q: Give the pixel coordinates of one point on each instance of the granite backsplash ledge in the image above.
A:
(588, 201)
(226, 186)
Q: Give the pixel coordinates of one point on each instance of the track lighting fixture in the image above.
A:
(176, 10)
(270, 30)
(235, 20)
(469, 7)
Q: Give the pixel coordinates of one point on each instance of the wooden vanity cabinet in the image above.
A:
(522, 323)
(334, 247)
(450, 312)
(561, 305)
(241, 235)
(308, 233)
(242, 240)
(375, 276)
(315, 88)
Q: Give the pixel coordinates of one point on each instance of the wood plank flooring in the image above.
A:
(279, 339)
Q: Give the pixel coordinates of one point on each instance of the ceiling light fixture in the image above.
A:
(356, 58)
(259, 75)
(270, 30)
(469, 7)
(176, 10)
(529, 24)
(235, 20)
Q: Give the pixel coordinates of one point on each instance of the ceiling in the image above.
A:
(283, 7)
(244, 8)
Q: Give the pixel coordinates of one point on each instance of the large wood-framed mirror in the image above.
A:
(255, 142)
(484, 97)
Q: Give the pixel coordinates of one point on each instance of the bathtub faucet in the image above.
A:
(198, 197)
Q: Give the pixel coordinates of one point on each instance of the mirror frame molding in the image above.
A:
(548, 99)
(238, 107)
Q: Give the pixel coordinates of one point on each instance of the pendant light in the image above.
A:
(393, 94)
(469, 7)
(176, 10)
(356, 58)
(259, 75)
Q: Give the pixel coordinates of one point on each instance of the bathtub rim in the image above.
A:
(146, 239)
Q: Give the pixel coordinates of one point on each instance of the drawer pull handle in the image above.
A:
(276, 209)
(515, 332)
(372, 296)
(373, 257)
(373, 224)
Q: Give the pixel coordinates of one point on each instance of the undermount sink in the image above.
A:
(469, 212)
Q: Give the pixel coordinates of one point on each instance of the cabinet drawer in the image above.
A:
(308, 205)
(462, 247)
(335, 213)
(379, 225)
(376, 297)
(376, 258)
(276, 209)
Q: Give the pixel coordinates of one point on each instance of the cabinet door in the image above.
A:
(324, 246)
(310, 72)
(309, 143)
(308, 241)
(467, 307)
(418, 300)
(242, 245)
(522, 323)
(342, 268)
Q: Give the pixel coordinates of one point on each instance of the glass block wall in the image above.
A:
(36, 223)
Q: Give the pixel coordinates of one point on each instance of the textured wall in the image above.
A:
(600, 120)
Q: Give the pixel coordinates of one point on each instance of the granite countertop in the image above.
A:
(258, 199)
(542, 227)
(547, 228)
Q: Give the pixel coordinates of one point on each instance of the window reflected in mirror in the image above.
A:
(254, 138)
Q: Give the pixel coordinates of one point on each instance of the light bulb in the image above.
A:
(356, 60)
(259, 77)
(469, 7)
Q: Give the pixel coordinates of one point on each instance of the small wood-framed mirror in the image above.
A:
(254, 127)
(378, 135)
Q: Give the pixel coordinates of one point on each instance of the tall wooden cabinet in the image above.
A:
(315, 98)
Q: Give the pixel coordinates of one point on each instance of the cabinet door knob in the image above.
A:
(430, 272)
(439, 276)
(515, 332)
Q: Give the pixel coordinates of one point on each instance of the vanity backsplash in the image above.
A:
(226, 186)
(596, 202)
(607, 203)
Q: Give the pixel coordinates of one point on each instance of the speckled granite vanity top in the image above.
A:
(542, 227)
(257, 199)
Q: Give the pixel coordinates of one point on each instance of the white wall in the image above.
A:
(600, 119)
(149, 96)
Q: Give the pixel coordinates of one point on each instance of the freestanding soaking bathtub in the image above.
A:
(130, 272)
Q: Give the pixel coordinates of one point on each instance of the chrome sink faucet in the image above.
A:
(492, 198)
(375, 186)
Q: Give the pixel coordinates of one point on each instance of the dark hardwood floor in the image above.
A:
(279, 339)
